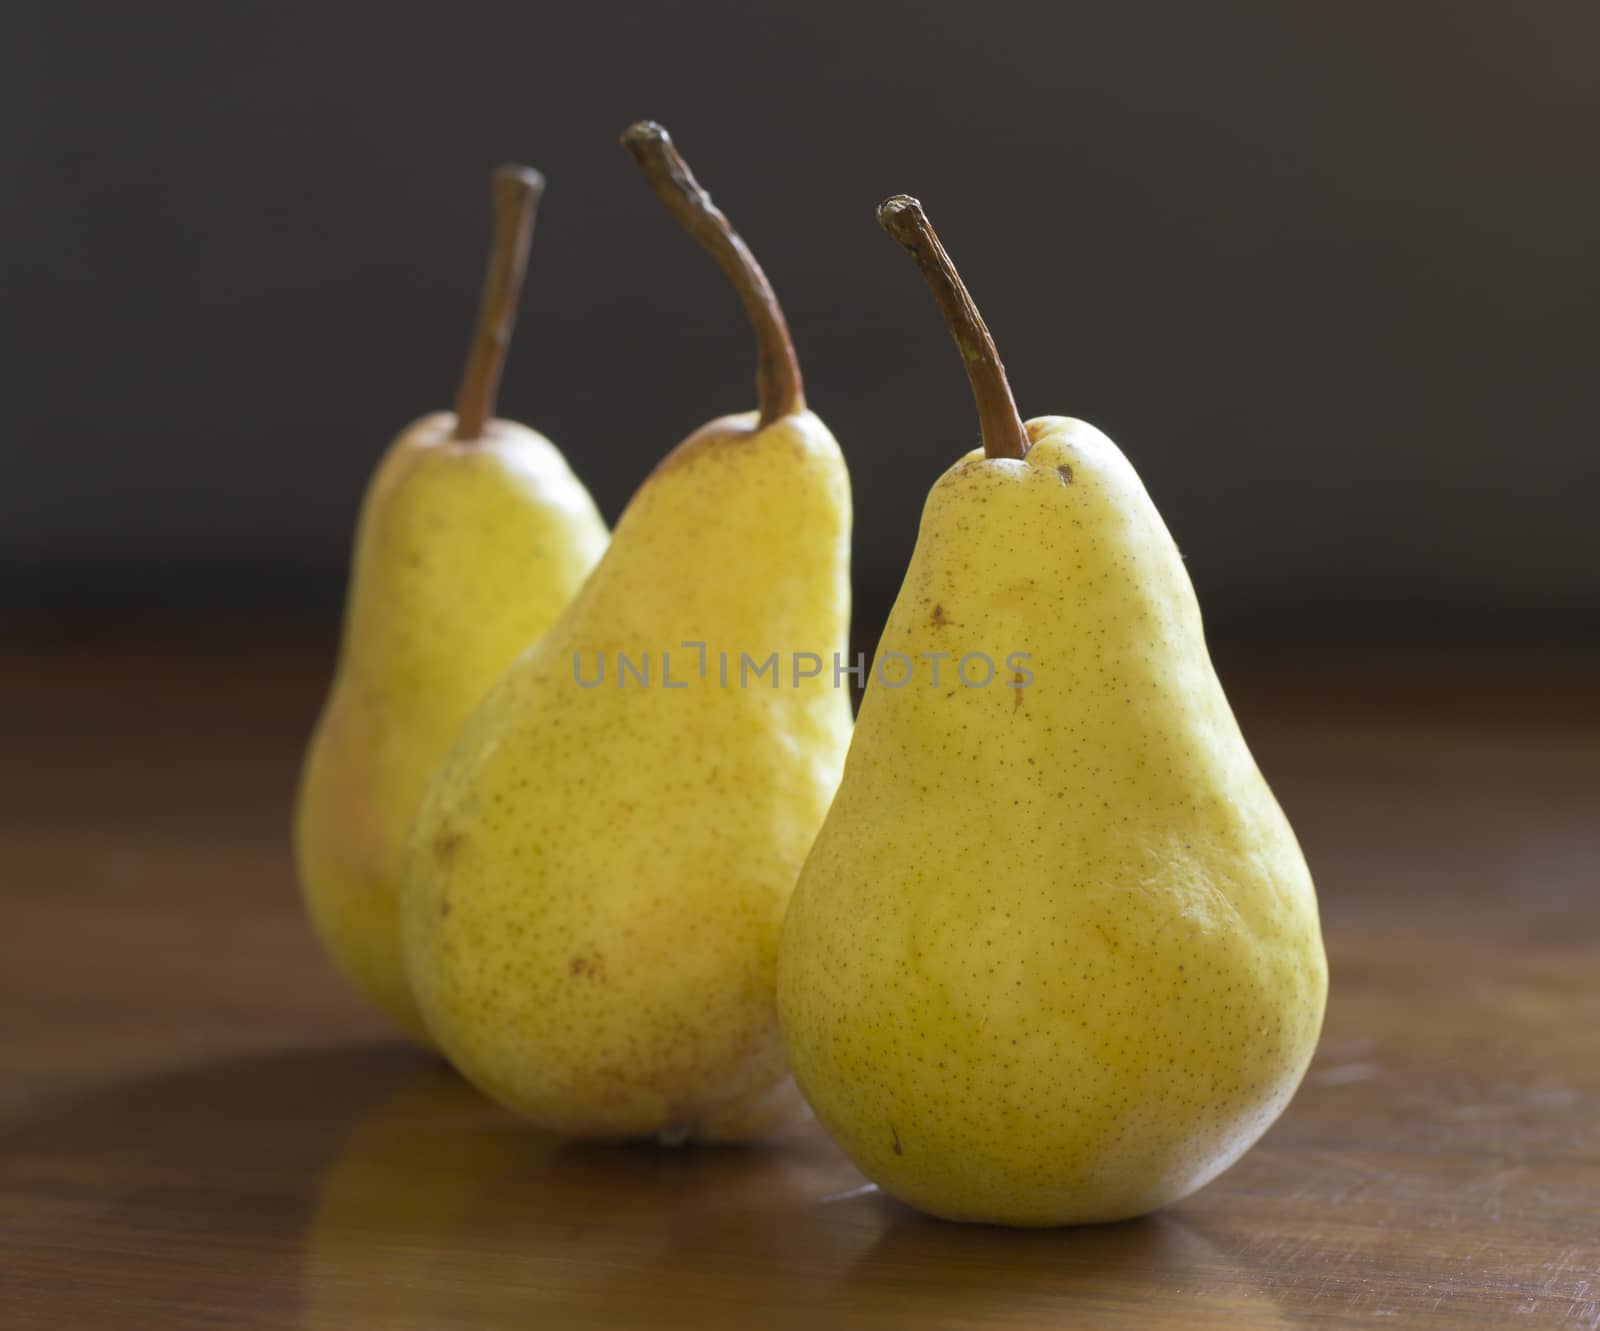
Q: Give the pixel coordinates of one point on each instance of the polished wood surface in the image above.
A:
(200, 1127)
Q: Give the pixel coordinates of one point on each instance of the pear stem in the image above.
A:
(1003, 433)
(515, 191)
(778, 388)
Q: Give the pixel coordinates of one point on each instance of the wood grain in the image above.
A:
(200, 1127)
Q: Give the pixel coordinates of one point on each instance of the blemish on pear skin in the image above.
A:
(898, 1149)
(593, 967)
(937, 617)
(1016, 681)
(444, 908)
(446, 844)
(1065, 472)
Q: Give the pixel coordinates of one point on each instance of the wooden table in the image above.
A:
(200, 1127)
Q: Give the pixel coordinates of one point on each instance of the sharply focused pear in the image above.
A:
(1055, 956)
(473, 536)
(598, 875)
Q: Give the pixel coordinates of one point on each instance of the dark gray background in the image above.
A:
(1325, 270)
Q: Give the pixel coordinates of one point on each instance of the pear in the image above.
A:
(598, 875)
(473, 536)
(1054, 957)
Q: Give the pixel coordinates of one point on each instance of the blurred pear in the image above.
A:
(473, 536)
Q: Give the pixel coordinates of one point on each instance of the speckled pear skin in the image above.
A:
(465, 553)
(1055, 955)
(598, 876)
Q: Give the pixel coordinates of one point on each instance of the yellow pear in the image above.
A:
(1054, 957)
(597, 879)
(473, 536)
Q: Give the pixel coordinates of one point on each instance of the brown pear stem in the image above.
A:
(778, 388)
(516, 191)
(1003, 433)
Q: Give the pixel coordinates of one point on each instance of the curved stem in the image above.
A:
(778, 388)
(516, 191)
(1003, 433)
